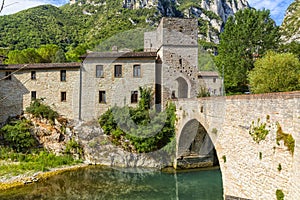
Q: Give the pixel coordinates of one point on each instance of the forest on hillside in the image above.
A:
(47, 34)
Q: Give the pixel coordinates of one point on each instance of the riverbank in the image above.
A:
(31, 177)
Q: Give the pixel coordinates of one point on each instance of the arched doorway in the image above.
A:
(195, 147)
(183, 88)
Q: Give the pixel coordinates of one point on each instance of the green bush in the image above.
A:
(17, 135)
(38, 109)
(144, 129)
(73, 147)
(279, 195)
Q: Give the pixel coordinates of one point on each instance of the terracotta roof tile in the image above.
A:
(40, 66)
(120, 55)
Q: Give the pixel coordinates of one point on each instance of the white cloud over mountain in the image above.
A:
(13, 6)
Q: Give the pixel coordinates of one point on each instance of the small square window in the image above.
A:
(102, 97)
(33, 75)
(99, 71)
(63, 96)
(33, 95)
(134, 96)
(118, 71)
(7, 75)
(136, 71)
(63, 75)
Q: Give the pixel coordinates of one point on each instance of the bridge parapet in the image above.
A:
(250, 169)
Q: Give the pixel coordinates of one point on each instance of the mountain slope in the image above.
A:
(91, 22)
(212, 14)
(290, 28)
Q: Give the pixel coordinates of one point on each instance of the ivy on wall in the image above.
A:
(288, 139)
(258, 131)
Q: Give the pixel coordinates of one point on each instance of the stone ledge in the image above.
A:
(227, 197)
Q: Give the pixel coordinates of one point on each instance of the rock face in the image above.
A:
(290, 28)
(96, 146)
(212, 14)
(99, 150)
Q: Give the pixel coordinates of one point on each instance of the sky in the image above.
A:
(277, 7)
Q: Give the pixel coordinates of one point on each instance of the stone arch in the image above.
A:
(183, 87)
(195, 146)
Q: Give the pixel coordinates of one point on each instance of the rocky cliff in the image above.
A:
(290, 28)
(212, 14)
(94, 147)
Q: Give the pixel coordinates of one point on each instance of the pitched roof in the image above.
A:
(208, 74)
(120, 55)
(39, 66)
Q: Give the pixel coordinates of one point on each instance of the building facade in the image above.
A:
(57, 84)
(168, 65)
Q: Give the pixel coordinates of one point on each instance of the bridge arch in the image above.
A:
(195, 147)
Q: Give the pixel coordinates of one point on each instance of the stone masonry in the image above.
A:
(169, 65)
(16, 94)
(118, 90)
(250, 170)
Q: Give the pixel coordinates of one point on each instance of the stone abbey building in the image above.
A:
(168, 64)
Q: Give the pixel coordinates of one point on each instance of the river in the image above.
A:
(97, 182)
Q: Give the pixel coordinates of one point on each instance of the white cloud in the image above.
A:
(13, 6)
(276, 7)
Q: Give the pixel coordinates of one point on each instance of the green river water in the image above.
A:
(116, 183)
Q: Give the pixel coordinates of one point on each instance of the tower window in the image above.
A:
(33, 75)
(33, 95)
(136, 71)
(99, 71)
(102, 97)
(63, 75)
(134, 96)
(118, 71)
(63, 96)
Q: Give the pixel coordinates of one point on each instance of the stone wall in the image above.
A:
(15, 94)
(118, 90)
(178, 50)
(150, 41)
(250, 170)
(211, 82)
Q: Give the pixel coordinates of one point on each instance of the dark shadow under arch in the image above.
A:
(195, 147)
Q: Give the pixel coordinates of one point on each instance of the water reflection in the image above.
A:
(108, 183)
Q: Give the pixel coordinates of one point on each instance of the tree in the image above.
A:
(29, 55)
(275, 72)
(60, 56)
(247, 35)
(73, 54)
(293, 47)
(48, 52)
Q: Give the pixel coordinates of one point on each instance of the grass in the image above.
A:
(19, 163)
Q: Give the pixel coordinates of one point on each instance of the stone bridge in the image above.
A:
(250, 169)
